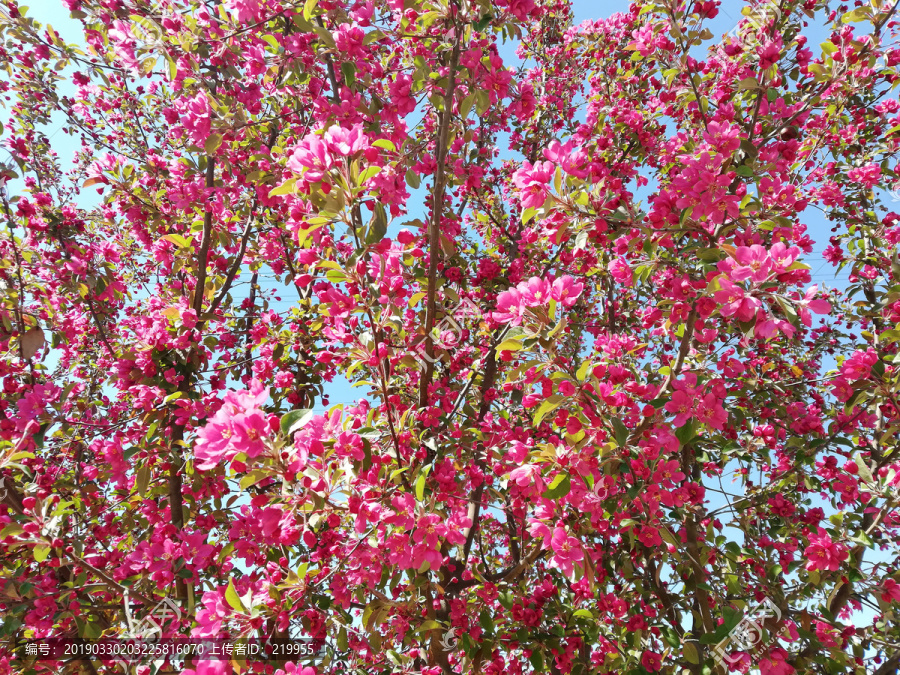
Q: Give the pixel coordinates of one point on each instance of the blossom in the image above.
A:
(567, 157)
(238, 426)
(196, 117)
(311, 158)
(711, 412)
(859, 365)
(775, 663)
(566, 290)
(823, 553)
(810, 302)
(510, 307)
(532, 182)
(891, 591)
(426, 541)
(526, 475)
(783, 256)
(566, 551)
(217, 667)
(734, 302)
(668, 471)
(750, 262)
(244, 10)
(346, 142)
(534, 292)
(651, 661)
(682, 405)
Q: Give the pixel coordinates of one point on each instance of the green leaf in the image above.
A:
(178, 240)
(621, 432)
(378, 228)
(11, 530)
(368, 173)
(547, 406)
(420, 487)
(285, 188)
(466, 106)
(143, 480)
(233, 599)
(559, 487)
(482, 22)
(308, 9)
(41, 552)
(385, 144)
(348, 70)
(296, 420)
(212, 143)
(253, 477)
(511, 345)
(856, 15)
(691, 653)
(486, 621)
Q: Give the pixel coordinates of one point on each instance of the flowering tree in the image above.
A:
(591, 436)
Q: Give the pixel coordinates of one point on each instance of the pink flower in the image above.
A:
(569, 159)
(249, 432)
(769, 53)
(783, 256)
(566, 388)
(218, 667)
(510, 307)
(244, 10)
(527, 475)
(566, 290)
(775, 663)
(891, 591)
(668, 472)
(520, 9)
(711, 412)
(649, 537)
(733, 301)
(534, 292)
(859, 366)
(810, 302)
(651, 661)
(752, 262)
(868, 175)
(196, 118)
(346, 142)
(311, 156)
(426, 540)
(682, 405)
(533, 182)
(566, 551)
(238, 426)
(823, 553)
(621, 272)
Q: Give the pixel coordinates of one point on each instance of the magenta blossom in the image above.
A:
(533, 182)
(311, 158)
(823, 553)
(196, 118)
(346, 142)
(567, 551)
(566, 291)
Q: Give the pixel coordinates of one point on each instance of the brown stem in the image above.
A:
(203, 253)
(437, 208)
